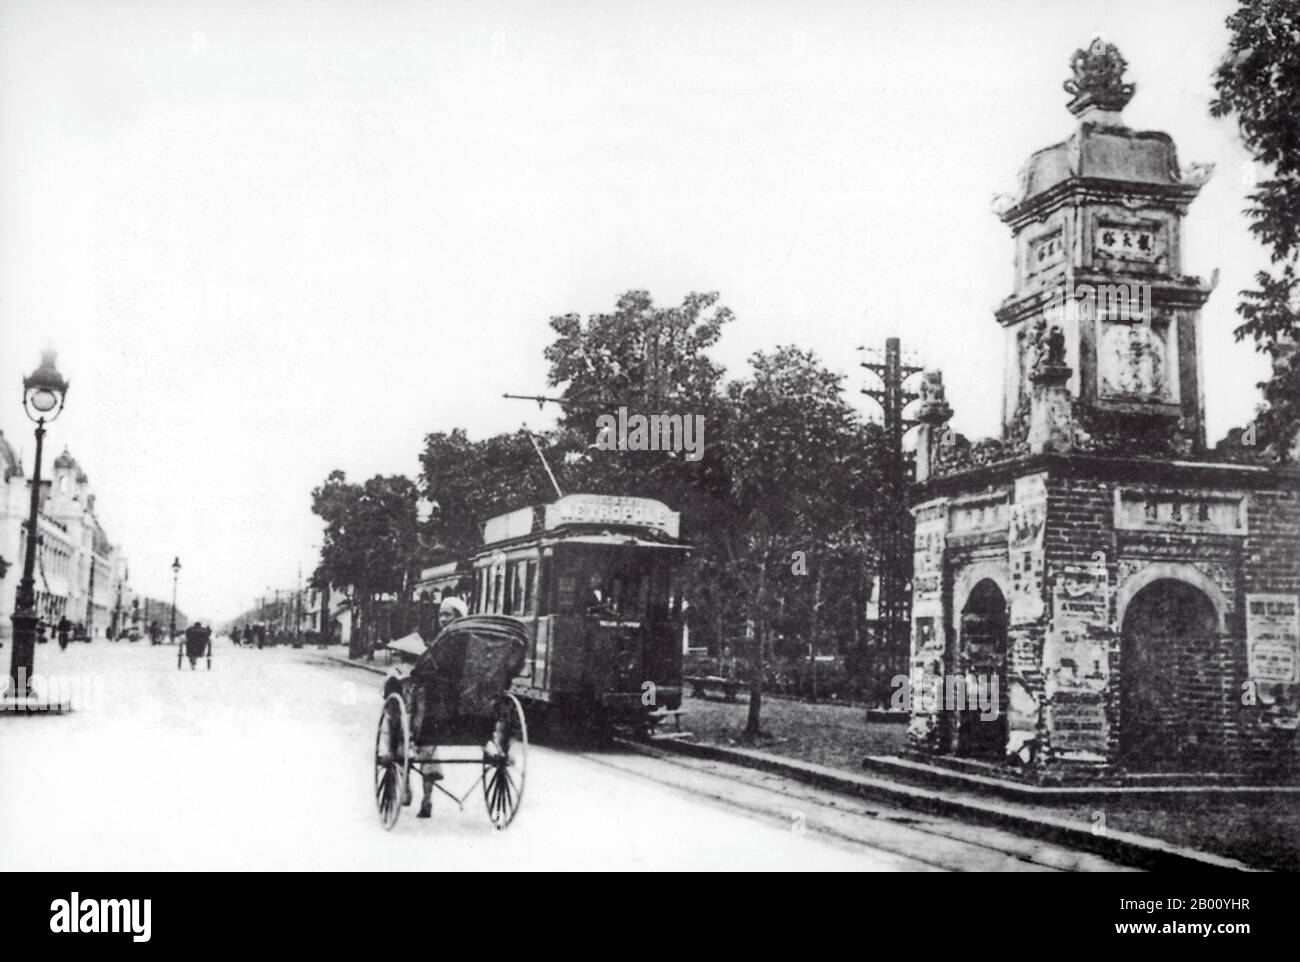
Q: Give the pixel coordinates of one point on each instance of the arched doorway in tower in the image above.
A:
(982, 725)
(1170, 710)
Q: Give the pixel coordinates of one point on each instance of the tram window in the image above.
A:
(622, 584)
(530, 588)
(519, 592)
(498, 589)
(567, 588)
(545, 597)
(515, 588)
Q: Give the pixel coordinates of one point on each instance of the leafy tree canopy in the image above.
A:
(1258, 81)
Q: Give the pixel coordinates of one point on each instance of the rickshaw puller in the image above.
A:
(448, 611)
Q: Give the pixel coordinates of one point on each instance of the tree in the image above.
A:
(371, 541)
(799, 460)
(472, 481)
(651, 361)
(1258, 81)
(640, 356)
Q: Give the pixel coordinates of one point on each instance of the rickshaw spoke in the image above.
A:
(496, 793)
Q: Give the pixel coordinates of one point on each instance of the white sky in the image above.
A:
(272, 239)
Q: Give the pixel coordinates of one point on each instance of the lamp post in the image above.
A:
(176, 573)
(43, 394)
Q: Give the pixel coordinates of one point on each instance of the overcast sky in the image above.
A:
(270, 239)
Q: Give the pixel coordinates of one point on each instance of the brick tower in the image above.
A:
(1096, 591)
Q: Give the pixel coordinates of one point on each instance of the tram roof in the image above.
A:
(588, 535)
(600, 510)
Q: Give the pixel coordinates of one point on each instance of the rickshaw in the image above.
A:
(464, 687)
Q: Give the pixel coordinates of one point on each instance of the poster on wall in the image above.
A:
(1081, 596)
(1078, 724)
(1273, 638)
(927, 569)
(1027, 518)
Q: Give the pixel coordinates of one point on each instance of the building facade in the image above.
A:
(1098, 591)
(79, 574)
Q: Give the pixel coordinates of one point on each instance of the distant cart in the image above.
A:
(195, 648)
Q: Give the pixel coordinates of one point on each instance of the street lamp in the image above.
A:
(176, 573)
(43, 395)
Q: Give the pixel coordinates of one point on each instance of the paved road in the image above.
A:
(264, 763)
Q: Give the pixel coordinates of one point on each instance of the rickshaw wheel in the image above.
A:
(392, 759)
(503, 774)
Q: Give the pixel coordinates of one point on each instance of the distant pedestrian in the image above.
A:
(64, 631)
(234, 634)
(155, 633)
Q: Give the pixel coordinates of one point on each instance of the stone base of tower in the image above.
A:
(1102, 616)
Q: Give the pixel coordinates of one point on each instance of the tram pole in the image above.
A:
(549, 473)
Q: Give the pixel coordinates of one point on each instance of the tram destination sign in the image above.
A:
(610, 509)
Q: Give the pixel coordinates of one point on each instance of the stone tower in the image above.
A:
(1098, 255)
(1095, 591)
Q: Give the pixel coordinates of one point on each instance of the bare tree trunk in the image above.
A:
(355, 646)
(752, 727)
(814, 629)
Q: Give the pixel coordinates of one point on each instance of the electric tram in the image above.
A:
(596, 581)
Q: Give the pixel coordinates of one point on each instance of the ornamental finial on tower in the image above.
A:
(1098, 79)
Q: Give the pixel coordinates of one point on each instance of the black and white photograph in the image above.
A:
(646, 437)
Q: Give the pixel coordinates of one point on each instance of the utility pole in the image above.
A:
(893, 529)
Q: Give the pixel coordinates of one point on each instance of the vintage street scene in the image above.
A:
(651, 437)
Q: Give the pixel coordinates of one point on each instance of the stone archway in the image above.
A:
(1170, 711)
(983, 641)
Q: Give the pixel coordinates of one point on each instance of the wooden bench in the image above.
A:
(700, 684)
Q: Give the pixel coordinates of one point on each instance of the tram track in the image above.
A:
(931, 841)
